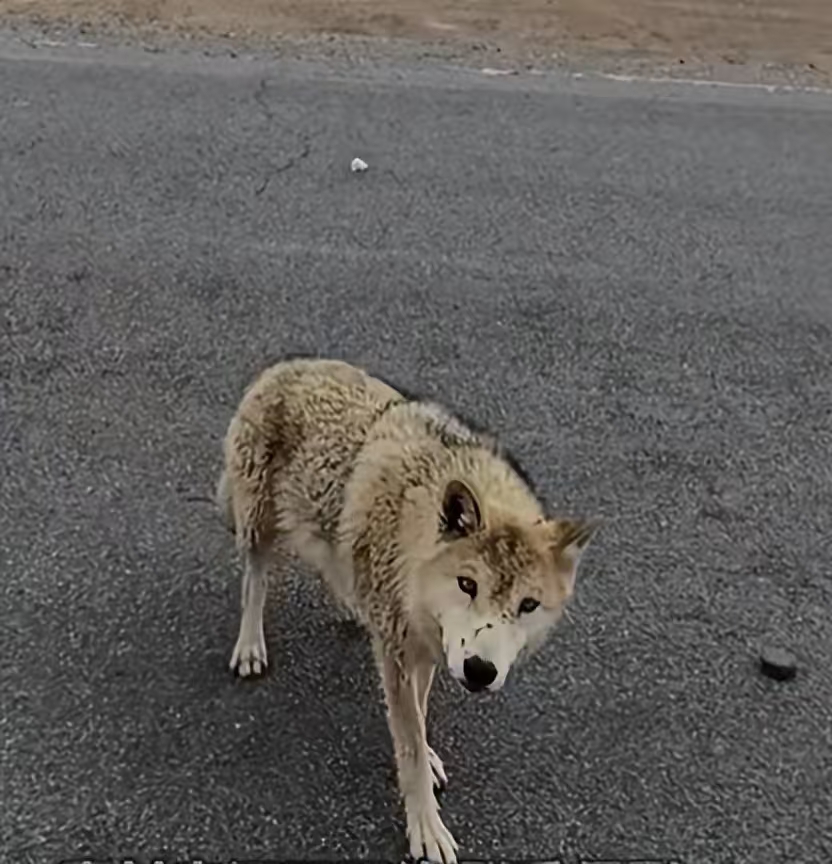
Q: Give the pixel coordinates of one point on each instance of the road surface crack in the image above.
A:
(270, 117)
(288, 164)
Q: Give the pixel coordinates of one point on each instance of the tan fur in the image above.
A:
(402, 509)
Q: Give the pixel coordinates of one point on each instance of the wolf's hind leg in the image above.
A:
(247, 493)
(249, 656)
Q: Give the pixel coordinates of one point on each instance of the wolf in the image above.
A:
(426, 532)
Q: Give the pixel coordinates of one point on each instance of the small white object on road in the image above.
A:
(359, 165)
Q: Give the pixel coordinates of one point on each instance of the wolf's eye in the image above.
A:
(469, 586)
(528, 605)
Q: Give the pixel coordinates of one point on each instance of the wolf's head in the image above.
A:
(498, 583)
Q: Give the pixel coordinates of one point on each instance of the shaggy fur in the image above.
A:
(423, 530)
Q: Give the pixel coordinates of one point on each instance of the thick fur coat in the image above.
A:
(423, 530)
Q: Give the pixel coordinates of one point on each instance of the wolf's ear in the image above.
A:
(460, 511)
(569, 539)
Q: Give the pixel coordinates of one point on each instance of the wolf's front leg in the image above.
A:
(428, 836)
(424, 679)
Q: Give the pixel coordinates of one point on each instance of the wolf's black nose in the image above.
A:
(478, 673)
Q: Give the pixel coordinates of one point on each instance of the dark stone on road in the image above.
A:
(777, 663)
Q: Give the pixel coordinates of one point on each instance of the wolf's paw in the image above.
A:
(249, 657)
(440, 779)
(429, 839)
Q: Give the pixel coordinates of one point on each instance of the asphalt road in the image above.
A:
(632, 284)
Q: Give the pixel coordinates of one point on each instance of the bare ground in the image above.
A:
(755, 38)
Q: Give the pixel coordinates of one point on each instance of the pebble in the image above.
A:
(777, 663)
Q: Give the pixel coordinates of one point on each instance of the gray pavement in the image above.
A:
(632, 284)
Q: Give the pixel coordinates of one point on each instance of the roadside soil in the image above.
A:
(733, 39)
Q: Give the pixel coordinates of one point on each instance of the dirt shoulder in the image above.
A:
(752, 40)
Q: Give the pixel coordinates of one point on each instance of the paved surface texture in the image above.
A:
(630, 284)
